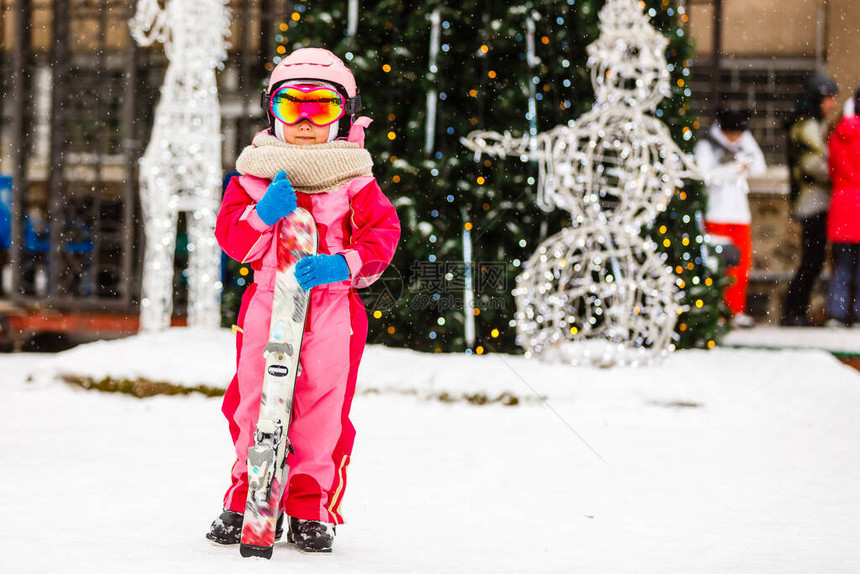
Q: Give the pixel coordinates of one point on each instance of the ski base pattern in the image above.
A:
(267, 457)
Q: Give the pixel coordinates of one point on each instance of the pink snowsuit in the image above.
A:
(357, 221)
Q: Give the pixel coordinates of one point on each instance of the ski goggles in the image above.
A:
(319, 105)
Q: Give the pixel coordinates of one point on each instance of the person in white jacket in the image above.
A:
(727, 156)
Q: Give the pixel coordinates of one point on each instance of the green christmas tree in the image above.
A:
(470, 60)
(679, 230)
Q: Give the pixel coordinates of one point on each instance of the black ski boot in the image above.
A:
(311, 536)
(227, 529)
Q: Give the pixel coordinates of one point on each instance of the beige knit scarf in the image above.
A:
(311, 168)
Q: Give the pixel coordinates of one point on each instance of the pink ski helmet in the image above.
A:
(314, 65)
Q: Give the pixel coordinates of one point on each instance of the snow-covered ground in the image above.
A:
(836, 340)
(732, 460)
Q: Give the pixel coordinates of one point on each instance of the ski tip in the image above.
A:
(248, 550)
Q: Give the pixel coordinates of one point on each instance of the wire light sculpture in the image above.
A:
(597, 293)
(180, 171)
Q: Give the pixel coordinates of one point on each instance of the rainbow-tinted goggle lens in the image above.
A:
(319, 105)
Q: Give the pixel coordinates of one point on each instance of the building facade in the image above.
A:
(77, 108)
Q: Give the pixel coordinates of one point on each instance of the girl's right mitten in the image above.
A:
(278, 201)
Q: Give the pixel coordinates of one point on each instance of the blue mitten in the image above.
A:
(321, 269)
(278, 201)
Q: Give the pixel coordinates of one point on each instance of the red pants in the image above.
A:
(736, 293)
(320, 431)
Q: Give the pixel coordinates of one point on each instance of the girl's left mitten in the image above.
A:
(320, 270)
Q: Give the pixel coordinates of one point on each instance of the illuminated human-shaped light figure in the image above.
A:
(596, 292)
(181, 168)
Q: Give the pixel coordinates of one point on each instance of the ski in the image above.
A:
(267, 457)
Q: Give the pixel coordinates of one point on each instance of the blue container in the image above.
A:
(5, 211)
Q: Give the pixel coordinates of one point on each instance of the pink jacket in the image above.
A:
(843, 223)
(356, 220)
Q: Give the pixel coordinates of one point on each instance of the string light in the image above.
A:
(596, 292)
(181, 167)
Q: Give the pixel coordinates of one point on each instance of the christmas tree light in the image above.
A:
(595, 292)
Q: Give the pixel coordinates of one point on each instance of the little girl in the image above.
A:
(311, 156)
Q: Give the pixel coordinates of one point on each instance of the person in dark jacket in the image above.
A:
(810, 190)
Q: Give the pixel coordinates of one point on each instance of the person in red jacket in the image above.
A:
(843, 224)
(311, 156)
